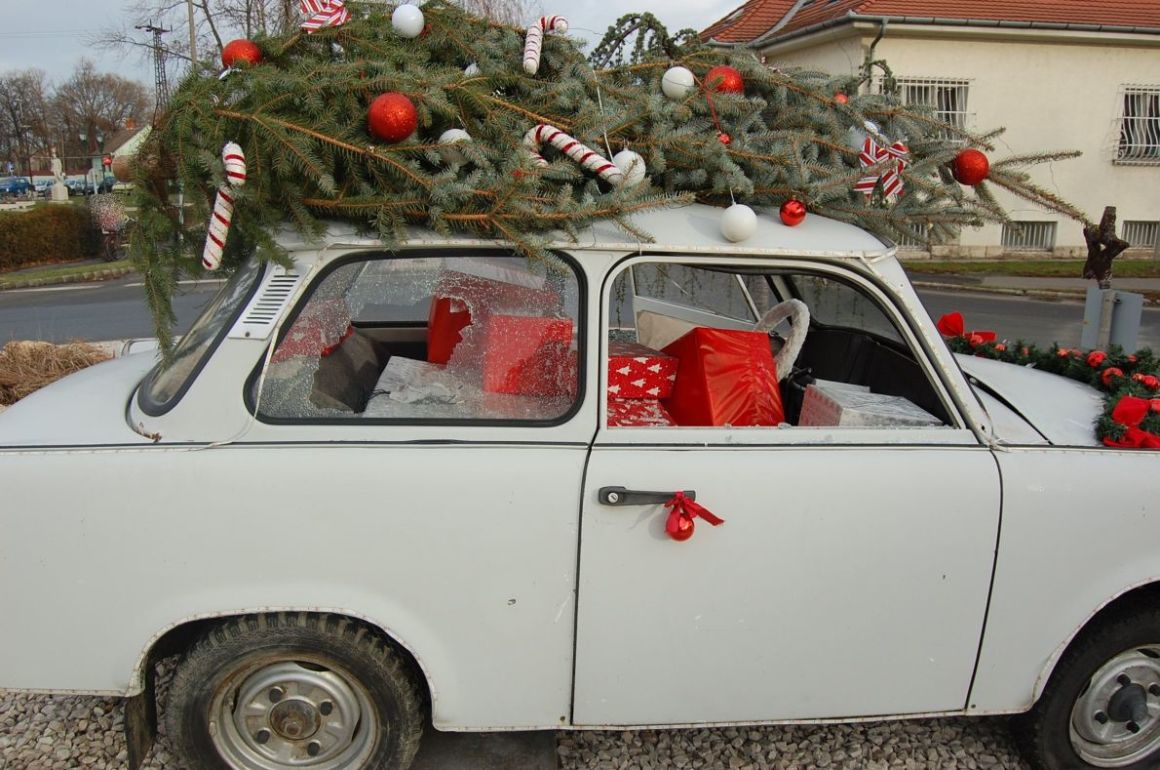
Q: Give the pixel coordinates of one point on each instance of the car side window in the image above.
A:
(490, 337)
(816, 350)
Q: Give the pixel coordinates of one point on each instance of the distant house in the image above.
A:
(1058, 74)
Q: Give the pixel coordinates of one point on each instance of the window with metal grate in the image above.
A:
(1139, 143)
(947, 97)
(1141, 234)
(1029, 236)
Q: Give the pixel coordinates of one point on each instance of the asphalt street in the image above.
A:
(117, 310)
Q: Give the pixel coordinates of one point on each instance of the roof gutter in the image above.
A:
(952, 22)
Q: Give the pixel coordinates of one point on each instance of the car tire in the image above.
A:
(294, 690)
(1101, 707)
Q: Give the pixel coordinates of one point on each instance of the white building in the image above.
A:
(1058, 74)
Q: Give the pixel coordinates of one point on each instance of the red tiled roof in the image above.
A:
(751, 20)
(1107, 13)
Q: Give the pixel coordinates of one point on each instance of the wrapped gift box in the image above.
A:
(847, 407)
(724, 377)
(317, 331)
(635, 371)
(528, 355)
(637, 413)
(462, 299)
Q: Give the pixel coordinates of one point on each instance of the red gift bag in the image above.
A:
(725, 377)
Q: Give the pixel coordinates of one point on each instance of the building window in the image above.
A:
(1142, 235)
(1140, 127)
(1029, 236)
(946, 97)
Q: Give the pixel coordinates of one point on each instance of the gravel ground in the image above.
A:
(41, 732)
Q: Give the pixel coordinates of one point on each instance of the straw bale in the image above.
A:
(28, 366)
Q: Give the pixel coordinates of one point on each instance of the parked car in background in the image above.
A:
(16, 186)
(43, 187)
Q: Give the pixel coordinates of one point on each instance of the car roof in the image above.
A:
(692, 229)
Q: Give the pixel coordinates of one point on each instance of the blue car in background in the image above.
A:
(14, 186)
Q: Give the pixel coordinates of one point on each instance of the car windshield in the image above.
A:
(169, 380)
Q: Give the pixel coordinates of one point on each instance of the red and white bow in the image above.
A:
(323, 13)
(893, 160)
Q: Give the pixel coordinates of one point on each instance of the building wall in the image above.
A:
(1049, 93)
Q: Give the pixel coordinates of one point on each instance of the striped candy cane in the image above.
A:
(223, 206)
(585, 157)
(535, 40)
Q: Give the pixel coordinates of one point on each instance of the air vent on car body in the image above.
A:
(268, 304)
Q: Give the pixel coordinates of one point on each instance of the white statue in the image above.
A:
(57, 168)
(59, 191)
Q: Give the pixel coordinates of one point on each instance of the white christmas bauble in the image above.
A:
(677, 83)
(452, 136)
(472, 70)
(408, 21)
(631, 165)
(857, 136)
(738, 223)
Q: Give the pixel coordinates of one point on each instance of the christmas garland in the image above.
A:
(1130, 382)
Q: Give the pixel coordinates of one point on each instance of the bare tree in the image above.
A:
(93, 103)
(24, 118)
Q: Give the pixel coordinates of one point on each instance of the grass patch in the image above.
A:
(61, 273)
(1036, 268)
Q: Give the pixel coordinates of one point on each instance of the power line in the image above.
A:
(160, 79)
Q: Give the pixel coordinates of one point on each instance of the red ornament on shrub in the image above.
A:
(792, 213)
(724, 80)
(970, 167)
(1095, 358)
(241, 51)
(1109, 374)
(841, 98)
(1151, 382)
(392, 117)
(724, 138)
(1001, 348)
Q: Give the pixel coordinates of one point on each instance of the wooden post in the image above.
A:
(1103, 246)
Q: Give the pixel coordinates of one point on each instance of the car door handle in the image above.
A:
(622, 496)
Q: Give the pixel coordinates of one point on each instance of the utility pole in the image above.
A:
(160, 80)
(192, 36)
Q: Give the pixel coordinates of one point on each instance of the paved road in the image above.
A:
(117, 310)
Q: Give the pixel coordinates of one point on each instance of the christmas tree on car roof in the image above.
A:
(400, 116)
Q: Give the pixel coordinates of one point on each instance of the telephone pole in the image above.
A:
(192, 35)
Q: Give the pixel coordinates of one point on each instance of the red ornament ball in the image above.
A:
(1063, 352)
(970, 167)
(241, 51)
(792, 213)
(392, 117)
(1109, 374)
(724, 80)
(724, 138)
(1001, 348)
(683, 529)
(841, 98)
(1151, 382)
(1095, 358)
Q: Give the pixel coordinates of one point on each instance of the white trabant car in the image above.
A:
(386, 486)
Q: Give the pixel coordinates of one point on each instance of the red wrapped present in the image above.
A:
(317, 331)
(462, 299)
(635, 371)
(528, 356)
(637, 413)
(726, 377)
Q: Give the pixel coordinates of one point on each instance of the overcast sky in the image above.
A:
(53, 35)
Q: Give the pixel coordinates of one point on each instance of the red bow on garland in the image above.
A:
(1130, 411)
(324, 13)
(873, 154)
(682, 511)
(953, 325)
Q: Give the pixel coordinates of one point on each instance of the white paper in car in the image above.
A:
(847, 407)
(411, 381)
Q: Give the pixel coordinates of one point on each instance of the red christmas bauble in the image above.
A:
(684, 529)
(1151, 382)
(841, 98)
(724, 80)
(392, 117)
(1109, 374)
(241, 51)
(724, 138)
(1095, 358)
(792, 213)
(970, 167)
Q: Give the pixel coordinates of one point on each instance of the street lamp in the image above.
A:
(24, 131)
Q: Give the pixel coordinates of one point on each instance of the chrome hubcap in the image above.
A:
(1115, 721)
(293, 714)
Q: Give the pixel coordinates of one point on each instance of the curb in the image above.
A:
(107, 274)
(1057, 295)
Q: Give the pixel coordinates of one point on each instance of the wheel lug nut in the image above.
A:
(263, 736)
(1133, 727)
(1101, 717)
(276, 694)
(1124, 680)
(326, 706)
(314, 748)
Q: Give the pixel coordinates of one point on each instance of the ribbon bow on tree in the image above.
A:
(874, 154)
(1129, 412)
(324, 13)
(682, 511)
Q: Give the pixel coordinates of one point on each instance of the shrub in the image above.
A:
(46, 234)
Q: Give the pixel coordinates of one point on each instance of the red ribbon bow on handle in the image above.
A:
(873, 154)
(682, 511)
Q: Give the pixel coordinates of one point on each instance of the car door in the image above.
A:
(849, 578)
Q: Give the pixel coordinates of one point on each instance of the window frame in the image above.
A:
(253, 381)
(1147, 152)
(1011, 229)
(961, 118)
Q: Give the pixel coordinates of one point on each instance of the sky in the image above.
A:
(53, 35)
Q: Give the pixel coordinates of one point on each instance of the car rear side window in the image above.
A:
(469, 337)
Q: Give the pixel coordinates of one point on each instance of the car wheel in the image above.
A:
(1101, 707)
(291, 690)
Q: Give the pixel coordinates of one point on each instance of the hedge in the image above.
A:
(46, 234)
